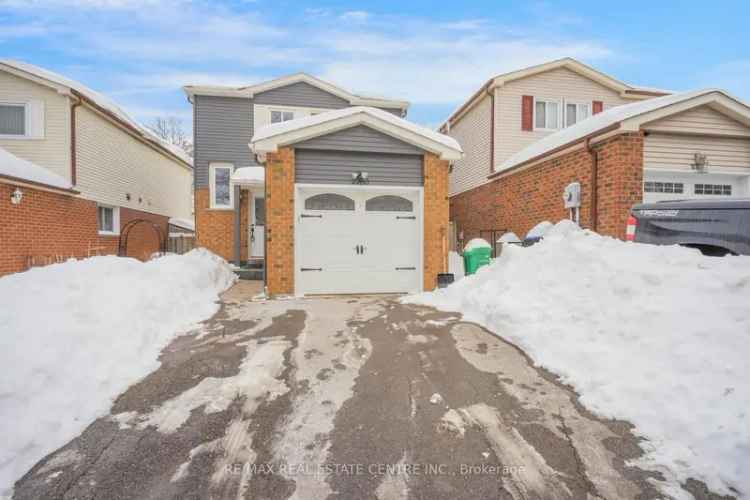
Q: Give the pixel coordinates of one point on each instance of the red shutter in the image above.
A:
(597, 107)
(527, 112)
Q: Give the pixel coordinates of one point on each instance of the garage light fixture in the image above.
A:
(700, 163)
(360, 178)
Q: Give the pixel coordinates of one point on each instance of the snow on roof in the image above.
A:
(100, 100)
(13, 166)
(183, 223)
(249, 175)
(594, 124)
(309, 121)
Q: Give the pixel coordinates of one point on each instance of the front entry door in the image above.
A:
(258, 227)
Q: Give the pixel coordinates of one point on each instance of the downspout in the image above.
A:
(491, 93)
(594, 182)
(73, 159)
(237, 225)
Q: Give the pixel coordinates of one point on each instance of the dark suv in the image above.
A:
(713, 227)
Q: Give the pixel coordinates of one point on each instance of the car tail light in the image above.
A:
(630, 230)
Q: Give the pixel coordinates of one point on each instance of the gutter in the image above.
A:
(35, 184)
(585, 139)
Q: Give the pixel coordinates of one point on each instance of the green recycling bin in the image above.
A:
(476, 258)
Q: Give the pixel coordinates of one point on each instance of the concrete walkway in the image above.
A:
(344, 398)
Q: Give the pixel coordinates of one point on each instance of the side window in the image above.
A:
(108, 219)
(329, 201)
(575, 112)
(546, 114)
(389, 203)
(13, 120)
(220, 186)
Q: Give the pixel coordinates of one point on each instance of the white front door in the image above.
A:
(257, 226)
(358, 240)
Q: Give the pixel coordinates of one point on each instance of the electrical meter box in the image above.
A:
(572, 195)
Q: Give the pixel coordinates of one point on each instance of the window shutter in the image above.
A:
(35, 122)
(527, 113)
(597, 107)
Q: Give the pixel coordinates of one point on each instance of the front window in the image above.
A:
(575, 112)
(221, 189)
(546, 115)
(13, 119)
(281, 116)
(107, 219)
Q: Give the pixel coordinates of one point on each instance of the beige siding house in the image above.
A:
(108, 174)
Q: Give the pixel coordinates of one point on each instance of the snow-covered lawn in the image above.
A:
(658, 336)
(76, 335)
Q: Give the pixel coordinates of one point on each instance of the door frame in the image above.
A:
(342, 188)
(251, 221)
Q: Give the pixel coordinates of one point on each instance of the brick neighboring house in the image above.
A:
(511, 112)
(75, 169)
(329, 191)
(686, 145)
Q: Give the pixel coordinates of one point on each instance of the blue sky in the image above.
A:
(140, 52)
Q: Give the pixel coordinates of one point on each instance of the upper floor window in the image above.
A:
(546, 114)
(220, 187)
(575, 112)
(281, 116)
(13, 120)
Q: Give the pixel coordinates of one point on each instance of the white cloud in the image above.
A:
(355, 16)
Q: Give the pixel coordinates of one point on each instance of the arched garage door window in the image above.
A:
(389, 203)
(329, 201)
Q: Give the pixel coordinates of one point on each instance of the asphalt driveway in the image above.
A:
(343, 398)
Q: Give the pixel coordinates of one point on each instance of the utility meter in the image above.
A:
(572, 195)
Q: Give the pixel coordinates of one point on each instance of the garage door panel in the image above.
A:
(360, 251)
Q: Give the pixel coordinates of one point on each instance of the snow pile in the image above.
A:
(540, 229)
(476, 243)
(76, 335)
(658, 336)
(13, 166)
(509, 237)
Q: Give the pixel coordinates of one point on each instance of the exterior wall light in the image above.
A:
(360, 178)
(16, 196)
(700, 163)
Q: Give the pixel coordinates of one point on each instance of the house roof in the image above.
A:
(270, 137)
(251, 90)
(71, 87)
(627, 118)
(17, 169)
(625, 89)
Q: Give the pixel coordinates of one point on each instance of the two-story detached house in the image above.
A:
(333, 192)
(511, 112)
(75, 169)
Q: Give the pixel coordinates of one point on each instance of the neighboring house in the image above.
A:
(81, 169)
(339, 194)
(512, 111)
(686, 145)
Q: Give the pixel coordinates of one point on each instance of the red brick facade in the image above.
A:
(214, 228)
(519, 200)
(435, 219)
(49, 227)
(280, 221)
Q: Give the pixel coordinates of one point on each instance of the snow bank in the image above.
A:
(659, 336)
(509, 237)
(75, 335)
(540, 229)
(13, 166)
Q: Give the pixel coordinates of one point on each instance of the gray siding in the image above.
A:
(316, 166)
(300, 94)
(223, 127)
(360, 138)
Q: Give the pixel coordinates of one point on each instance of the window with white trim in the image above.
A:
(108, 219)
(13, 119)
(546, 114)
(575, 112)
(714, 189)
(220, 187)
(278, 116)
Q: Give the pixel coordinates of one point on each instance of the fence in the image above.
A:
(180, 242)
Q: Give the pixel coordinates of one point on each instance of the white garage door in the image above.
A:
(357, 240)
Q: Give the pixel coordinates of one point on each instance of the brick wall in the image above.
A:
(436, 209)
(280, 221)
(518, 201)
(143, 239)
(214, 228)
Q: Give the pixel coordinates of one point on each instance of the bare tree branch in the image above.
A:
(170, 129)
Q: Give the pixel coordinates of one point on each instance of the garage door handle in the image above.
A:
(406, 269)
(303, 269)
(412, 217)
(319, 216)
